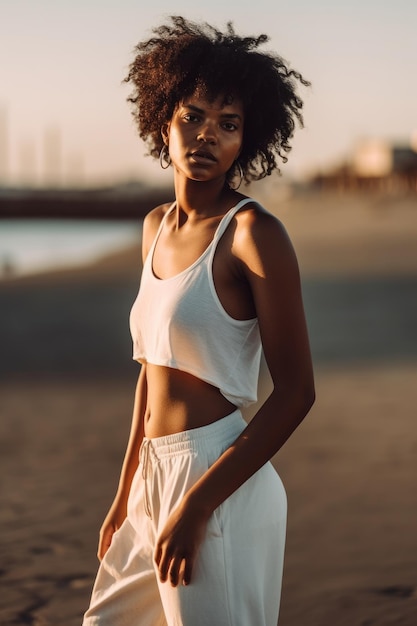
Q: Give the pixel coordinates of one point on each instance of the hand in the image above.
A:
(178, 544)
(113, 521)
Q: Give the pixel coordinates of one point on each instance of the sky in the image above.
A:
(62, 63)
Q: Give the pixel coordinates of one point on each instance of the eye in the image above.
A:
(190, 117)
(229, 126)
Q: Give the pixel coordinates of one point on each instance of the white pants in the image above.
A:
(237, 575)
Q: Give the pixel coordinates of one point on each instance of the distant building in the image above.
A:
(376, 165)
(372, 159)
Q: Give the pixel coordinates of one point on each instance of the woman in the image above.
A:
(196, 533)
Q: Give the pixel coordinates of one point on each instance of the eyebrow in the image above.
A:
(233, 116)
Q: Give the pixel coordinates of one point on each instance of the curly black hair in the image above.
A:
(183, 57)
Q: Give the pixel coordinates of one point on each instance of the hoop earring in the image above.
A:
(241, 175)
(164, 158)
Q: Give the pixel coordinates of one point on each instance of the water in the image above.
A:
(31, 246)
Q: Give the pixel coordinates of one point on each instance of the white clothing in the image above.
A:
(237, 575)
(179, 322)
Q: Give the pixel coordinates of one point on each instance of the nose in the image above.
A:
(207, 133)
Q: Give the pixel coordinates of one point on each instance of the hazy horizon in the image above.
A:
(63, 109)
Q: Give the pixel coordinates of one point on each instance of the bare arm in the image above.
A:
(118, 510)
(268, 262)
(131, 459)
(272, 271)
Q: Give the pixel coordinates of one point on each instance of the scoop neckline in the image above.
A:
(202, 255)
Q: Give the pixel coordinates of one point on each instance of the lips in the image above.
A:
(205, 155)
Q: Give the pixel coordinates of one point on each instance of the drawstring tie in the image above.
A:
(146, 446)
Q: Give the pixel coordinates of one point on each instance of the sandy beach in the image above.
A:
(66, 389)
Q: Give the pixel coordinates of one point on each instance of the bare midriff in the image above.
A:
(178, 401)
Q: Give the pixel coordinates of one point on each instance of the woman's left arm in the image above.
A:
(264, 252)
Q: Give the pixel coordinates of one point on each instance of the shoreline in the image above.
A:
(334, 235)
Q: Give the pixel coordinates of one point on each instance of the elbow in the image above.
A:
(306, 392)
(304, 381)
(309, 398)
(301, 399)
(297, 393)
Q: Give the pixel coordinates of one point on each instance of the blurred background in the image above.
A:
(74, 186)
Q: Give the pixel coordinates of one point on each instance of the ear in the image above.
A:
(165, 128)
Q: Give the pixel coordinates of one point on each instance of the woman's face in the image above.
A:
(204, 137)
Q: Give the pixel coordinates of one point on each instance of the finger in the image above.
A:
(181, 573)
(157, 555)
(173, 575)
(164, 562)
(104, 544)
(102, 549)
(188, 568)
(176, 571)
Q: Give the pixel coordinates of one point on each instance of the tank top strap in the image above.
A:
(228, 218)
(158, 232)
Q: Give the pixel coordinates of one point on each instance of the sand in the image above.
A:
(66, 387)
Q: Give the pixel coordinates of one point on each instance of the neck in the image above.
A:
(203, 198)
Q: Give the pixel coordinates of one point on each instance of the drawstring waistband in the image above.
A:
(223, 431)
(146, 445)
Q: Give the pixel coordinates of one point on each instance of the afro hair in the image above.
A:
(184, 57)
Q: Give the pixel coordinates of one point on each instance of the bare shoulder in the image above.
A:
(261, 238)
(151, 224)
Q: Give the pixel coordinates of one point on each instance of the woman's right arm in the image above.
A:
(118, 510)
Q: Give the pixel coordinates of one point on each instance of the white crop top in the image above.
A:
(179, 322)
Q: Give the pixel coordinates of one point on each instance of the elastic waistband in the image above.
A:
(223, 430)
